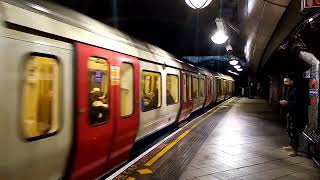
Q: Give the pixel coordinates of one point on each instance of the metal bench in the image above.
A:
(313, 138)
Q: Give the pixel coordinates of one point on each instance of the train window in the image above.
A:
(126, 86)
(151, 90)
(195, 87)
(98, 76)
(147, 84)
(172, 89)
(184, 92)
(40, 99)
(189, 87)
(201, 87)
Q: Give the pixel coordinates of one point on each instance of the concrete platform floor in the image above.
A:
(246, 144)
(238, 139)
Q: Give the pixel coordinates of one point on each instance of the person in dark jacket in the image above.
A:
(295, 124)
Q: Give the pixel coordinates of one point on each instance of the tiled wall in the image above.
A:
(313, 110)
(314, 75)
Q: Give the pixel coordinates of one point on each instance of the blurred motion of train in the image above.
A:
(77, 94)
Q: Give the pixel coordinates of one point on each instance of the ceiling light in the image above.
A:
(219, 37)
(233, 62)
(239, 69)
(233, 72)
(237, 66)
(198, 4)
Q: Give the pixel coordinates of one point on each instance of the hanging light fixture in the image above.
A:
(237, 66)
(220, 36)
(239, 69)
(233, 61)
(198, 4)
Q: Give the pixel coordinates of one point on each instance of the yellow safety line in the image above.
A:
(181, 136)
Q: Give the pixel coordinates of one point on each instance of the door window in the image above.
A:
(40, 99)
(189, 88)
(98, 76)
(184, 93)
(195, 87)
(172, 89)
(126, 86)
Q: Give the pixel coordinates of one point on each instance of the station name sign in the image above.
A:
(309, 4)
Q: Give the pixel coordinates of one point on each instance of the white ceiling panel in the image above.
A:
(259, 19)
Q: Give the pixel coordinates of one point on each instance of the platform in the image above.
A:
(239, 139)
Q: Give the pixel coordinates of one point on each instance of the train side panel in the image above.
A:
(156, 113)
(36, 113)
(198, 93)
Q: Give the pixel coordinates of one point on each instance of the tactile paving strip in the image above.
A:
(182, 154)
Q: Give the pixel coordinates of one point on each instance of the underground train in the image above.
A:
(76, 94)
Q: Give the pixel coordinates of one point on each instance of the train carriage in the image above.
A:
(186, 88)
(79, 94)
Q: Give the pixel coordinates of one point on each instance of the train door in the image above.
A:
(183, 96)
(189, 95)
(127, 107)
(208, 90)
(99, 124)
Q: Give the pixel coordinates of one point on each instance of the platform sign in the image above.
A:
(309, 4)
(313, 92)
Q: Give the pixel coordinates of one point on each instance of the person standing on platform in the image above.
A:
(293, 104)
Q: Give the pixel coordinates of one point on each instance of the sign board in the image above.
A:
(309, 4)
(115, 75)
(313, 92)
